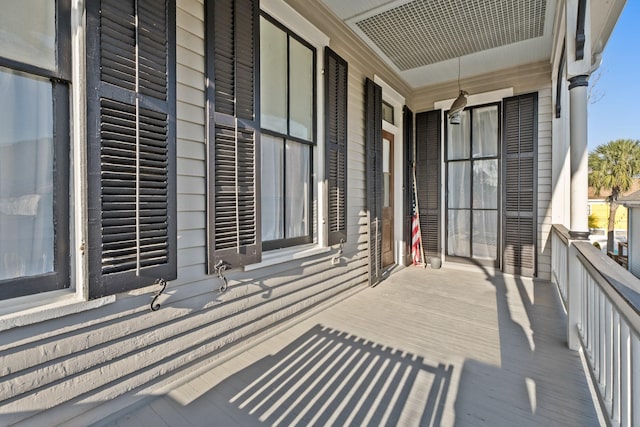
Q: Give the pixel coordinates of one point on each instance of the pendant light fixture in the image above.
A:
(459, 104)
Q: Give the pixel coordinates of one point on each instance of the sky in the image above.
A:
(615, 114)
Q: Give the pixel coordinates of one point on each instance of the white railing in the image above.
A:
(603, 319)
(559, 257)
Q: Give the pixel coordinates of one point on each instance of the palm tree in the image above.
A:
(613, 166)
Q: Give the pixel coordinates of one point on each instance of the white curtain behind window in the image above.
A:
(459, 185)
(28, 32)
(458, 233)
(26, 176)
(273, 75)
(297, 189)
(485, 132)
(271, 188)
(485, 234)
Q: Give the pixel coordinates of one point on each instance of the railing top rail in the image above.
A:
(622, 287)
(562, 232)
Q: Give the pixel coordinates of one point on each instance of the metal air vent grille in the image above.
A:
(424, 32)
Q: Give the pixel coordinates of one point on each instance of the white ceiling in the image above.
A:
(423, 39)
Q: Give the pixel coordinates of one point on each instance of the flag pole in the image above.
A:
(415, 196)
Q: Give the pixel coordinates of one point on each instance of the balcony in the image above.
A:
(455, 346)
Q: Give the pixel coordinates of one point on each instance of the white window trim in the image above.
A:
(291, 19)
(280, 256)
(38, 308)
(397, 101)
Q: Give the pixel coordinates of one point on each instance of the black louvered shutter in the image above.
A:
(335, 86)
(131, 144)
(519, 146)
(428, 160)
(233, 156)
(373, 166)
(407, 126)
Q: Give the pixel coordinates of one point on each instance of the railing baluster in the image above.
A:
(615, 400)
(601, 339)
(608, 350)
(634, 361)
(591, 318)
(596, 332)
(625, 372)
(585, 311)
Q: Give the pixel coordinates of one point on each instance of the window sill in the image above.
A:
(45, 306)
(288, 254)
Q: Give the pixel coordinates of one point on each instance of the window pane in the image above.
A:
(485, 184)
(298, 187)
(386, 187)
(485, 234)
(386, 155)
(485, 132)
(273, 77)
(26, 176)
(301, 90)
(271, 198)
(458, 138)
(458, 233)
(459, 185)
(386, 170)
(28, 32)
(387, 112)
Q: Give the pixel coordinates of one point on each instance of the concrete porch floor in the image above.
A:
(455, 346)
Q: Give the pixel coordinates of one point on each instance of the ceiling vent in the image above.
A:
(424, 32)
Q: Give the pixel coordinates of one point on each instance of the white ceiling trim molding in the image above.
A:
(297, 23)
(389, 94)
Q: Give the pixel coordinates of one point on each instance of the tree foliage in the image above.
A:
(613, 166)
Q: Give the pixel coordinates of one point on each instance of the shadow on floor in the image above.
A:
(530, 387)
(328, 377)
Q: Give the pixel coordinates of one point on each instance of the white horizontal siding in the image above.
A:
(83, 360)
(544, 181)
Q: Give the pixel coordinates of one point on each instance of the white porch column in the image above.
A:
(579, 228)
(579, 67)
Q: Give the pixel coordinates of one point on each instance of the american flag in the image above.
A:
(415, 235)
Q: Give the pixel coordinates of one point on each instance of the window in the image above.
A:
(34, 146)
(472, 184)
(262, 133)
(387, 113)
(288, 124)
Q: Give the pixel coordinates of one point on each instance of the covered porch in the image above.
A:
(455, 346)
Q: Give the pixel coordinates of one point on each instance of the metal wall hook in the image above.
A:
(336, 258)
(160, 281)
(220, 267)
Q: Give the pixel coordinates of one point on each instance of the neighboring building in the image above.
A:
(240, 146)
(632, 202)
(599, 217)
(599, 222)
